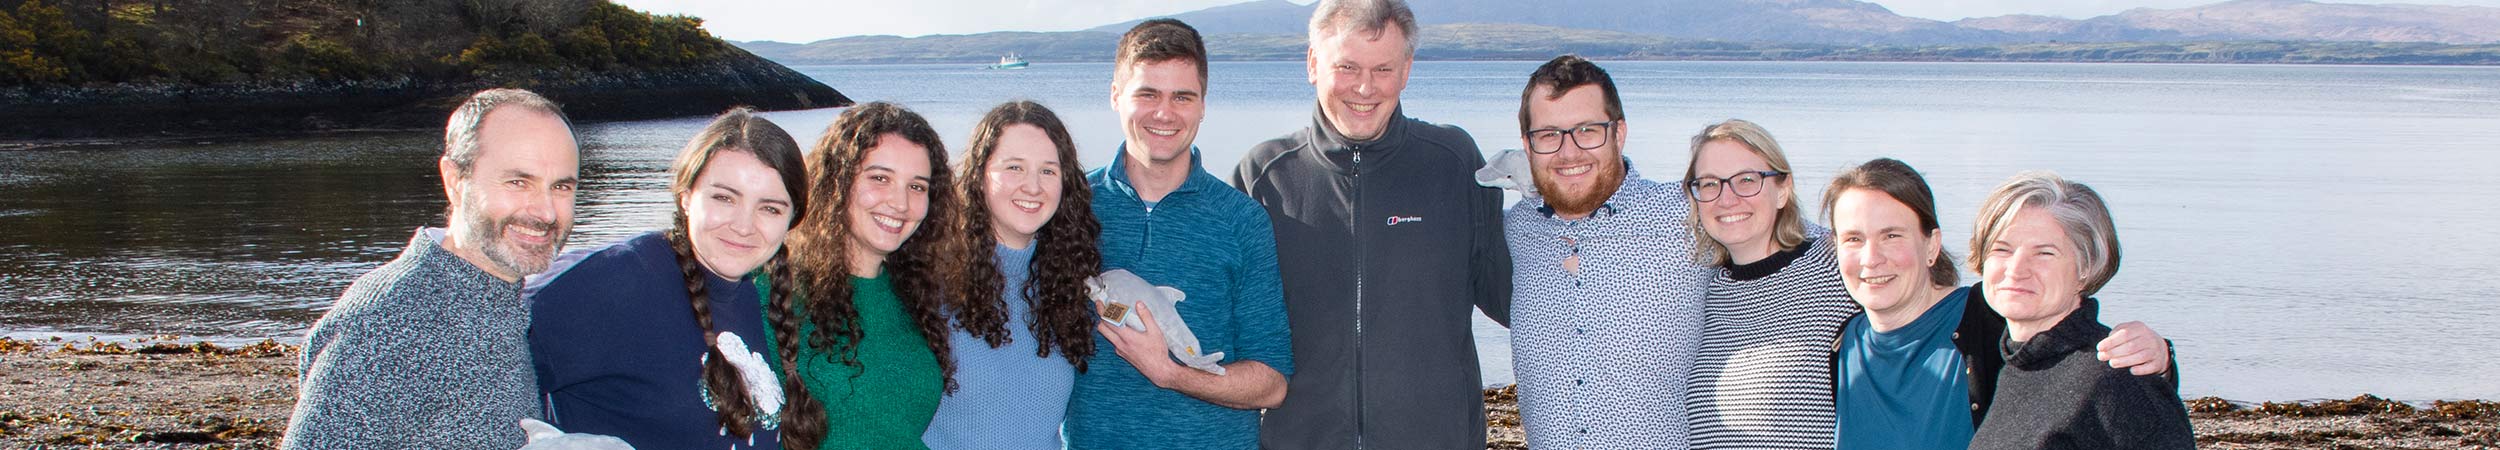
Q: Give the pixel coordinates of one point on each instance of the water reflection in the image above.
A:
(2265, 209)
(249, 238)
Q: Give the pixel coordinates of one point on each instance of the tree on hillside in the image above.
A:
(30, 36)
(71, 42)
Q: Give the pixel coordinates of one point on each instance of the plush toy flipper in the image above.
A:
(546, 437)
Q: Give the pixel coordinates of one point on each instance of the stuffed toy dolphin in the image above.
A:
(1121, 292)
(1508, 170)
(546, 437)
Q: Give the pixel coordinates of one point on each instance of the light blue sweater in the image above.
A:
(1005, 397)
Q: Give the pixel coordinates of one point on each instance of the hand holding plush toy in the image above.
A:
(1121, 292)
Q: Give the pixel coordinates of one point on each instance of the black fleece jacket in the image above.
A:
(1386, 247)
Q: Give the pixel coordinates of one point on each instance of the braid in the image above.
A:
(803, 418)
(737, 412)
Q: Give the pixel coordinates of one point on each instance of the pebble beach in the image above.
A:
(162, 393)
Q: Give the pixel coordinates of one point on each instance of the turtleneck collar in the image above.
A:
(2080, 329)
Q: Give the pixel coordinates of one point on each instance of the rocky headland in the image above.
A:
(147, 70)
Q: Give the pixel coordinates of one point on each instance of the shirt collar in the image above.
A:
(429, 249)
(1329, 139)
(2079, 330)
(1117, 173)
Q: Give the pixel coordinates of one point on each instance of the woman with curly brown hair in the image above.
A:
(1028, 209)
(864, 347)
(648, 339)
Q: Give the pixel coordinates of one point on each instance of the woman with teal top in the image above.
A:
(1023, 326)
(864, 348)
(648, 339)
(1918, 368)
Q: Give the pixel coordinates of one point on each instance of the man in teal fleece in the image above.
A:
(1172, 223)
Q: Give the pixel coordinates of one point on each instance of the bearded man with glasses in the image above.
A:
(1607, 307)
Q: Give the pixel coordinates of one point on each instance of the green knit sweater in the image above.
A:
(887, 402)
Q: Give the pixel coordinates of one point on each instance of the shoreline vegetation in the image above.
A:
(1477, 42)
(104, 70)
(163, 392)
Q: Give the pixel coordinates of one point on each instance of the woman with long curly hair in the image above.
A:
(1028, 210)
(864, 347)
(648, 339)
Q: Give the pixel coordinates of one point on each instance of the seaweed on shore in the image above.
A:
(2365, 404)
(2212, 405)
(2466, 409)
(266, 348)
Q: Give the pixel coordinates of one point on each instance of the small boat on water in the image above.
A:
(1011, 61)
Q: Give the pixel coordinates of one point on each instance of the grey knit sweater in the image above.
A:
(2054, 394)
(427, 351)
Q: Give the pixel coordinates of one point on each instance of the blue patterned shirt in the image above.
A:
(1602, 355)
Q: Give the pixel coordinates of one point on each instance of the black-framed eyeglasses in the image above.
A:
(1746, 184)
(1587, 136)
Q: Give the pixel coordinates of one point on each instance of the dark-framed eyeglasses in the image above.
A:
(1745, 184)
(1587, 136)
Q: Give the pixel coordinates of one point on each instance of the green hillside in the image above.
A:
(315, 64)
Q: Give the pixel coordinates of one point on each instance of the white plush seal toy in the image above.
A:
(1508, 170)
(1121, 292)
(546, 437)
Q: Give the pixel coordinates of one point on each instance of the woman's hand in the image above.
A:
(2137, 348)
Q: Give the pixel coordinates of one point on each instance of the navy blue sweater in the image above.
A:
(618, 351)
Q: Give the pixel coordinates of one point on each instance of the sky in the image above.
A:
(802, 21)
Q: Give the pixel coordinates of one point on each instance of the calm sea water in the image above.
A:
(2298, 231)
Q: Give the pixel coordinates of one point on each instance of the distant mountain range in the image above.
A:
(1781, 21)
(2296, 20)
(2287, 31)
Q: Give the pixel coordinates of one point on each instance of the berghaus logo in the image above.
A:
(1395, 220)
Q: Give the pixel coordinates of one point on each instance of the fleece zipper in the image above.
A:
(1355, 216)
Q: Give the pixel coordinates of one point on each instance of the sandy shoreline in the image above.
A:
(168, 394)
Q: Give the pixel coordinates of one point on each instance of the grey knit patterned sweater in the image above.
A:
(427, 351)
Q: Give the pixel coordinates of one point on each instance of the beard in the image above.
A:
(509, 257)
(1609, 178)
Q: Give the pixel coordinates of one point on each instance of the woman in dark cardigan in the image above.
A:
(2043, 246)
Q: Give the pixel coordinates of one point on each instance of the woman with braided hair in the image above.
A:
(1023, 325)
(659, 339)
(864, 344)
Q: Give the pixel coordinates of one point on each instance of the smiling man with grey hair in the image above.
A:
(1387, 247)
(431, 349)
